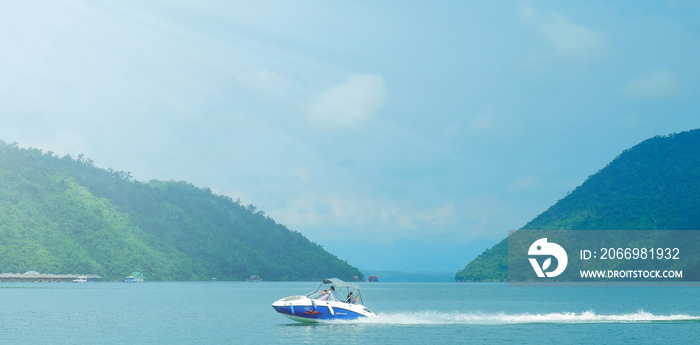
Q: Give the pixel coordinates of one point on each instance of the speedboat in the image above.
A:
(333, 300)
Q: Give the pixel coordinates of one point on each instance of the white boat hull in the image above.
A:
(305, 309)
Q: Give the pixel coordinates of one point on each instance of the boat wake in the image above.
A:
(479, 318)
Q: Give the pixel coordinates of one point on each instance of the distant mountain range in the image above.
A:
(64, 215)
(654, 185)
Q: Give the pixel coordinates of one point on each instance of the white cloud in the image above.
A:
(561, 37)
(451, 131)
(350, 104)
(481, 211)
(333, 216)
(653, 85)
(524, 183)
(270, 84)
(303, 174)
(484, 123)
(65, 142)
(299, 213)
(491, 123)
(438, 216)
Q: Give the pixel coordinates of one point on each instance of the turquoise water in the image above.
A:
(408, 313)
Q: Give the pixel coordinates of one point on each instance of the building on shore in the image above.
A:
(34, 276)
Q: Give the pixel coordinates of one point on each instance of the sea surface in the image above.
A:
(408, 313)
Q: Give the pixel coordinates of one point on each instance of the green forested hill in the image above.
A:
(653, 185)
(64, 215)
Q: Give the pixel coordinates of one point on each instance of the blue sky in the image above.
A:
(400, 135)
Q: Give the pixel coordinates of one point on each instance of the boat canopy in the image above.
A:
(339, 283)
(339, 290)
